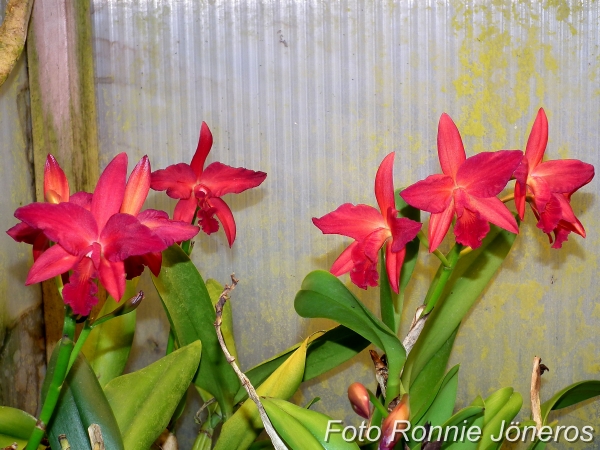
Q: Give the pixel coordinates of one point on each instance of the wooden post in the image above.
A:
(63, 109)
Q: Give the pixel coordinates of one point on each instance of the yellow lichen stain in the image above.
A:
(493, 95)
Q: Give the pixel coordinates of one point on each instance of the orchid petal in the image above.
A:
(393, 266)
(451, 151)
(496, 212)
(568, 216)
(384, 184)
(22, 232)
(521, 174)
(83, 199)
(170, 231)
(564, 176)
(125, 236)
(439, 225)
(560, 235)
(225, 217)
(185, 209)
(344, 264)
(538, 139)
(108, 195)
(137, 188)
(73, 227)
(433, 194)
(486, 174)
(134, 265)
(55, 180)
(80, 292)
(403, 230)
(471, 228)
(221, 179)
(353, 221)
(178, 180)
(112, 277)
(204, 145)
(364, 272)
(54, 261)
(373, 243)
(550, 215)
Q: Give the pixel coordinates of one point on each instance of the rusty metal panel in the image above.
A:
(316, 93)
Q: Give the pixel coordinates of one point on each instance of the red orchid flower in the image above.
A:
(56, 190)
(169, 231)
(548, 185)
(371, 230)
(467, 188)
(199, 188)
(92, 242)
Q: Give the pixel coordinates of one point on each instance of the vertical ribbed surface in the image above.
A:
(316, 93)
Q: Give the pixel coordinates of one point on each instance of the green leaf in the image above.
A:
(473, 422)
(192, 316)
(240, 430)
(575, 393)
(144, 401)
(325, 296)
(82, 403)
(469, 279)
(108, 345)
(492, 430)
(421, 392)
(442, 405)
(324, 353)
(495, 402)
(15, 426)
(293, 422)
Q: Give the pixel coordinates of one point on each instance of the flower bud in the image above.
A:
(359, 399)
(394, 424)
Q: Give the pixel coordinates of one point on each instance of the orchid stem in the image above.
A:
(436, 252)
(85, 332)
(508, 198)
(58, 377)
(377, 404)
(441, 278)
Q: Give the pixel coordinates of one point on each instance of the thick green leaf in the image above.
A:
(422, 391)
(144, 401)
(192, 316)
(440, 409)
(15, 426)
(294, 420)
(108, 345)
(470, 278)
(240, 430)
(324, 353)
(491, 431)
(292, 431)
(474, 423)
(325, 296)
(495, 402)
(82, 403)
(575, 393)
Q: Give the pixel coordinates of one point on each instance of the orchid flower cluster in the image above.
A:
(105, 238)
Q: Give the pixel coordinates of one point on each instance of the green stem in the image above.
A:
(170, 342)
(377, 404)
(386, 295)
(186, 246)
(58, 377)
(79, 344)
(436, 252)
(441, 278)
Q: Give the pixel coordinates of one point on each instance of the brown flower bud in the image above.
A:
(394, 424)
(359, 399)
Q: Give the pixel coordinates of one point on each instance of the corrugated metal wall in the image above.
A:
(316, 93)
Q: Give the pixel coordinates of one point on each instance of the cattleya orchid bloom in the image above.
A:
(199, 189)
(548, 185)
(467, 188)
(93, 238)
(56, 190)
(394, 424)
(371, 230)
